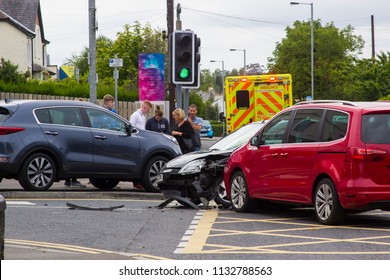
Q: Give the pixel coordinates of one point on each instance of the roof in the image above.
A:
(5, 17)
(46, 102)
(356, 104)
(25, 12)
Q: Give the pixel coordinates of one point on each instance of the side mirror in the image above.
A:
(129, 129)
(255, 141)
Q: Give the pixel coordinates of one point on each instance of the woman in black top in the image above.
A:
(182, 129)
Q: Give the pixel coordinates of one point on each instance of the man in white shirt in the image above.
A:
(138, 118)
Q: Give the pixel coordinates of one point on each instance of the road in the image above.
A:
(42, 225)
(139, 229)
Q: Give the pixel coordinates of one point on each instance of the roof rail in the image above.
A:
(326, 101)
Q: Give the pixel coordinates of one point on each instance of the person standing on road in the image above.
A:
(158, 123)
(74, 183)
(138, 118)
(196, 124)
(182, 129)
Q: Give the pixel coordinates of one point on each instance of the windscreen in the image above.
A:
(237, 138)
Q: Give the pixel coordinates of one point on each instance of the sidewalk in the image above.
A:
(12, 189)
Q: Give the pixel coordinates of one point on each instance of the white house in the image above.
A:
(22, 37)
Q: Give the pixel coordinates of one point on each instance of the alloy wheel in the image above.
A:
(40, 172)
(324, 201)
(238, 192)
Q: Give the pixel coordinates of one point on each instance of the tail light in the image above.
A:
(363, 154)
(4, 130)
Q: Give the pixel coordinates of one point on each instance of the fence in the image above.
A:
(124, 108)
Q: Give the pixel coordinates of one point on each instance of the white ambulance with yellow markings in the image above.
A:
(255, 98)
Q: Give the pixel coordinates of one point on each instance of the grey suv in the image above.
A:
(43, 141)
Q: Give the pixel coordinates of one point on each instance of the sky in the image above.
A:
(251, 25)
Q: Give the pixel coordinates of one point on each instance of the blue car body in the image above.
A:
(207, 129)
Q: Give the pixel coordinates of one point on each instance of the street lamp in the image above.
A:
(243, 50)
(223, 91)
(312, 44)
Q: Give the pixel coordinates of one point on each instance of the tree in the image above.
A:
(80, 61)
(334, 54)
(9, 72)
(206, 80)
(133, 40)
(368, 79)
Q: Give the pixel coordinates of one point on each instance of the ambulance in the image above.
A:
(255, 98)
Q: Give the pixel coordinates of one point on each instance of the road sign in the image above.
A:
(115, 62)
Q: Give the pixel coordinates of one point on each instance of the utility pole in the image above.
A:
(92, 50)
(372, 37)
(179, 99)
(170, 9)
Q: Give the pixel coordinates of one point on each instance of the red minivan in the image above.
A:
(333, 155)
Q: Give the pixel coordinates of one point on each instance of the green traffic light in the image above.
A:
(184, 73)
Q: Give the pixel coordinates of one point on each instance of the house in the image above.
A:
(22, 37)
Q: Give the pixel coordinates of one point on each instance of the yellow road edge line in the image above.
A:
(65, 247)
(201, 233)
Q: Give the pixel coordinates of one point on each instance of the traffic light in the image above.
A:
(183, 61)
(196, 57)
(196, 62)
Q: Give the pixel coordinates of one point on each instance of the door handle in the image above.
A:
(284, 154)
(274, 155)
(54, 133)
(100, 137)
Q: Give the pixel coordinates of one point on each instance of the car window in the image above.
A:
(242, 99)
(305, 126)
(238, 138)
(104, 120)
(60, 115)
(274, 132)
(206, 123)
(376, 128)
(4, 114)
(335, 125)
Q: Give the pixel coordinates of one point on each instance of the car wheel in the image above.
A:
(150, 172)
(240, 199)
(37, 173)
(104, 184)
(221, 197)
(327, 204)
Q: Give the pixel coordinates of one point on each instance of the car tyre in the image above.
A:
(241, 202)
(327, 204)
(221, 197)
(104, 184)
(37, 173)
(149, 174)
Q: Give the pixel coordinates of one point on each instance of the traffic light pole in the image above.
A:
(179, 103)
(170, 9)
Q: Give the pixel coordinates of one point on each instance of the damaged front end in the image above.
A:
(198, 181)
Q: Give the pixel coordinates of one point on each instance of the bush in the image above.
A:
(66, 87)
(217, 128)
(9, 72)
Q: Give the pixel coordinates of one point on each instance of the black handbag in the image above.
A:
(188, 142)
